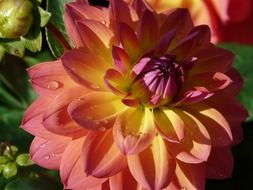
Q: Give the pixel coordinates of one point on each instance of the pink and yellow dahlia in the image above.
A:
(143, 102)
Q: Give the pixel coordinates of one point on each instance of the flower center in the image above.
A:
(160, 78)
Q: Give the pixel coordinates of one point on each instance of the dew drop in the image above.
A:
(97, 122)
(105, 23)
(53, 85)
(93, 86)
(47, 157)
(102, 129)
(42, 145)
(105, 121)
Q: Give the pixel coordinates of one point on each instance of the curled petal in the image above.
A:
(71, 168)
(48, 152)
(121, 60)
(85, 68)
(95, 110)
(134, 130)
(169, 124)
(220, 163)
(56, 118)
(216, 125)
(191, 176)
(152, 168)
(50, 78)
(196, 145)
(101, 156)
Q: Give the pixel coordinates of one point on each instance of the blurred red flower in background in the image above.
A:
(144, 101)
(230, 20)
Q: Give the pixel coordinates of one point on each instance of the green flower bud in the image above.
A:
(24, 160)
(10, 170)
(15, 18)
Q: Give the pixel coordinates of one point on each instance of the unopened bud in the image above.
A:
(15, 18)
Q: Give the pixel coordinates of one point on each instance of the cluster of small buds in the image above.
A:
(10, 160)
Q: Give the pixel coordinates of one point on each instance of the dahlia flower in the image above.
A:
(143, 101)
(230, 20)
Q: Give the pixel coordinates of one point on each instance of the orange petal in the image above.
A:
(121, 60)
(134, 130)
(196, 40)
(50, 78)
(212, 59)
(216, 125)
(196, 145)
(96, 110)
(191, 176)
(129, 41)
(152, 168)
(117, 8)
(116, 81)
(148, 30)
(101, 157)
(48, 152)
(169, 124)
(85, 68)
(97, 37)
(56, 118)
(79, 11)
(123, 181)
(71, 168)
(180, 20)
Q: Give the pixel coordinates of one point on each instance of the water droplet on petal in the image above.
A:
(43, 145)
(93, 86)
(102, 129)
(105, 121)
(47, 157)
(53, 85)
(97, 122)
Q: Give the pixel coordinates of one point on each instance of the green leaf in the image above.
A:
(10, 170)
(24, 160)
(10, 152)
(44, 17)
(15, 48)
(3, 159)
(33, 44)
(56, 8)
(2, 52)
(243, 63)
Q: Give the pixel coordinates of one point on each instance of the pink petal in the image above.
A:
(134, 130)
(32, 120)
(101, 157)
(95, 110)
(220, 163)
(196, 145)
(56, 118)
(48, 152)
(71, 168)
(169, 124)
(152, 168)
(50, 78)
(85, 68)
